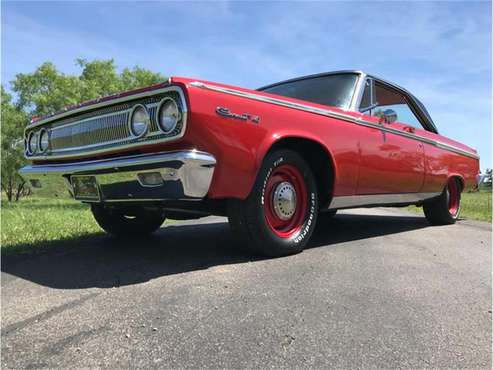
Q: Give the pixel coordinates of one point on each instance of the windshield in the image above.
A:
(335, 90)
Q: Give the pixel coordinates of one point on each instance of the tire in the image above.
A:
(327, 215)
(285, 228)
(134, 222)
(445, 209)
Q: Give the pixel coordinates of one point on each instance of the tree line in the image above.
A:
(47, 90)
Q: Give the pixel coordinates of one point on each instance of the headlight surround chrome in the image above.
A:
(168, 115)
(32, 142)
(139, 121)
(43, 140)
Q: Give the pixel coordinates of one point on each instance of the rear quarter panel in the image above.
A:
(442, 164)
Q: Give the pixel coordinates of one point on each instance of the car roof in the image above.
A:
(423, 112)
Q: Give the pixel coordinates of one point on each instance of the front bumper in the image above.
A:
(185, 175)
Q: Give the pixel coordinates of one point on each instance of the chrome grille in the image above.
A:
(102, 129)
(90, 132)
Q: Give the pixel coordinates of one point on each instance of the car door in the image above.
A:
(391, 157)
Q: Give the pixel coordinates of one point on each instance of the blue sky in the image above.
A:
(441, 51)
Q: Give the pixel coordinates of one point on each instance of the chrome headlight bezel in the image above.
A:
(131, 117)
(177, 117)
(42, 132)
(32, 143)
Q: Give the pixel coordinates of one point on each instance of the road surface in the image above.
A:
(376, 288)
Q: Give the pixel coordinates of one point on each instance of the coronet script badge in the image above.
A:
(225, 112)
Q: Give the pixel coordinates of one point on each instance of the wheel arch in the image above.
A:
(458, 177)
(316, 154)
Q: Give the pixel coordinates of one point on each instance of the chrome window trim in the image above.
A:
(351, 201)
(358, 92)
(332, 114)
(419, 106)
(139, 143)
(414, 104)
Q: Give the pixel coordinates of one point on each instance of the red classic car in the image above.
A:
(274, 160)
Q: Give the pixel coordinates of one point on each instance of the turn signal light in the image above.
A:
(150, 179)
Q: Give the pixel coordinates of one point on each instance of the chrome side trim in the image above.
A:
(191, 170)
(332, 114)
(352, 201)
(116, 148)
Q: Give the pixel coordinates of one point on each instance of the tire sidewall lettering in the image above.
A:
(277, 162)
(309, 221)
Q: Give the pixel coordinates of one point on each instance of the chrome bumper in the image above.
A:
(185, 175)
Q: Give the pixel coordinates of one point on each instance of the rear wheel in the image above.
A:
(279, 215)
(445, 209)
(133, 221)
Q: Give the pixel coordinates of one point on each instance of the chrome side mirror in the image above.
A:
(388, 116)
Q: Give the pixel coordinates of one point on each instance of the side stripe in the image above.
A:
(332, 114)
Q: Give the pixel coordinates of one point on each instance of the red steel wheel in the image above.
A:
(280, 213)
(286, 200)
(453, 199)
(444, 210)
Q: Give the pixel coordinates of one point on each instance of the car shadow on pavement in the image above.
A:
(103, 261)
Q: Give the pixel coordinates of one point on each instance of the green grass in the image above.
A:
(474, 206)
(32, 223)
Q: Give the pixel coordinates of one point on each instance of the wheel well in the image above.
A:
(319, 161)
(460, 181)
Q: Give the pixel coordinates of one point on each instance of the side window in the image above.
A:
(387, 98)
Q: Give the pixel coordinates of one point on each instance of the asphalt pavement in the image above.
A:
(376, 288)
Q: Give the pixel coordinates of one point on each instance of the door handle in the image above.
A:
(409, 129)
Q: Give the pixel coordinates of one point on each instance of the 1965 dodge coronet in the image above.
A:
(274, 160)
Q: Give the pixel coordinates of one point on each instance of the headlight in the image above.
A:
(139, 120)
(43, 140)
(168, 114)
(32, 142)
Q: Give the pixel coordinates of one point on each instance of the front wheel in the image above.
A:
(279, 215)
(445, 209)
(127, 222)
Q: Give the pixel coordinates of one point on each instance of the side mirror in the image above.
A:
(388, 116)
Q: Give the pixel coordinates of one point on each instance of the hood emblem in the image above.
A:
(225, 112)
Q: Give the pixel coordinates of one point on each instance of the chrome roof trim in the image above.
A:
(332, 114)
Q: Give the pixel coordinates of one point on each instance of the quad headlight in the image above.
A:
(32, 142)
(44, 140)
(167, 115)
(139, 120)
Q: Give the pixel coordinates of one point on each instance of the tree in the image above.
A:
(486, 179)
(47, 90)
(13, 121)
